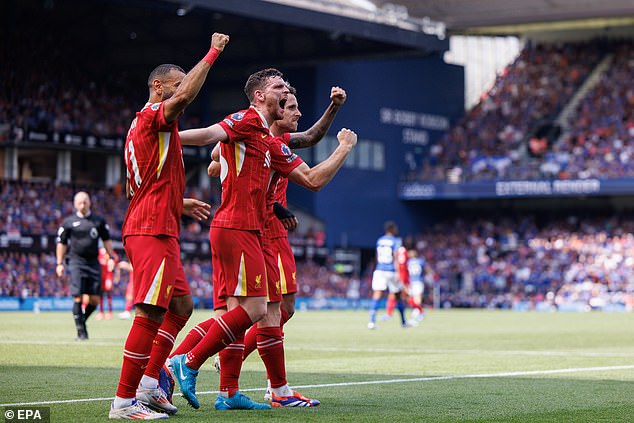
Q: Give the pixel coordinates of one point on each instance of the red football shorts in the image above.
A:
(273, 287)
(238, 264)
(106, 284)
(280, 263)
(158, 271)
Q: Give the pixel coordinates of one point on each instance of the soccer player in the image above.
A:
(240, 283)
(403, 274)
(281, 269)
(83, 231)
(129, 289)
(155, 185)
(107, 264)
(385, 275)
(279, 259)
(417, 267)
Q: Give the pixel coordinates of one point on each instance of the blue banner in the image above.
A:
(515, 189)
(118, 303)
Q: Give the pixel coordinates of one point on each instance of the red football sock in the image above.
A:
(101, 305)
(136, 355)
(389, 307)
(285, 317)
(164, 342)
(193, 337)
(271, 349)
(250, 343)
(231, 364)
(109, 303)
(225, 330)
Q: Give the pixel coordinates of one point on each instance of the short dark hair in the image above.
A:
(257, 80)
(291, 89)
(162, 70)
(390, 226)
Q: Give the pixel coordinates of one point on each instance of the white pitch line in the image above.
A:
(468, 351)
(374, 382)
(364, 350)
(68, 343)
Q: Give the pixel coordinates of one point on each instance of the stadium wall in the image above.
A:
(397, 106)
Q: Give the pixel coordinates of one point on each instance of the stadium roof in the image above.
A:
(501, 17)
(336, 18)
(515, 16)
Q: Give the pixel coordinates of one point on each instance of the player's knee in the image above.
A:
(289, 308)
(258, 314)
(151, 312)
(182, 305)
(256, 310)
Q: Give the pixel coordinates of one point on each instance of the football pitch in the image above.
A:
(458, 365)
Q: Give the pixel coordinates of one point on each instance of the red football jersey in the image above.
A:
(245, 168)
(283, 162)
(107, 265)
(401, 258)
(156, 174)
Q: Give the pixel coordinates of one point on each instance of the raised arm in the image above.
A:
(193, 81)
(315, 133)
(317, 177)
(203, 136)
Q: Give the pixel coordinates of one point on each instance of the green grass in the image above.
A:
(487, 366)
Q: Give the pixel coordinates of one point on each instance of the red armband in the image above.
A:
(211, 56)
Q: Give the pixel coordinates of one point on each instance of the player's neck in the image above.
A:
(276, 131)
(266, 115)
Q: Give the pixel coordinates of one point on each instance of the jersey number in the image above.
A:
(385, 254)
(135, 166)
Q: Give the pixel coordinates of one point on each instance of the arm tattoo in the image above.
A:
(313, 135)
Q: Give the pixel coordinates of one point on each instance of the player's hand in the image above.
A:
(59, 269)
(196, 209)
(290, 224)
(213, 169)
(347, 137)
(219, 41)
(284, 215)
(338, 95)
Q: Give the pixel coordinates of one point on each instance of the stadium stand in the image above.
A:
(512, 133)
(479, 262)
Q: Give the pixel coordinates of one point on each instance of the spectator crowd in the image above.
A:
(503, 136)
(477, 262)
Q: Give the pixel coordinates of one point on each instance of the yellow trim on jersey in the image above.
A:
(240, 153)
(164, 146)
(241, 286)
(268, 297)
(153, 293)
(282, 275)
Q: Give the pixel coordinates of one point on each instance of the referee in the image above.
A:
(83, 230)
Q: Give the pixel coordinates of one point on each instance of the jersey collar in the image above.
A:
(264, 122)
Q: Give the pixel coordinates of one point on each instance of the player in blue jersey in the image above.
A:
(417, 268)
(385, 276)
